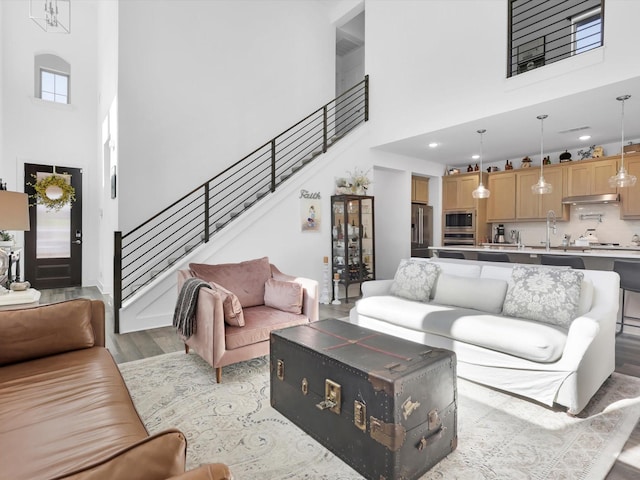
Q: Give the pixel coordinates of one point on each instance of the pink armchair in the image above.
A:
(261, 293)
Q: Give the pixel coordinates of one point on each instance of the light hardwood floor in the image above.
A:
(138, 345)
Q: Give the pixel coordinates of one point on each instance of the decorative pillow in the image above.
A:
(414, 280)
(285, 296)
(230, 305)
(245, 279)
(484, 294)
(545, 294)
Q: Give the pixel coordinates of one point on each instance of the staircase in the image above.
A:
(152, 248)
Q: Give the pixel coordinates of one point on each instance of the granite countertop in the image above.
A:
(599, 251)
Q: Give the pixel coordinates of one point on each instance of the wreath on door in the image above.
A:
(54, 192)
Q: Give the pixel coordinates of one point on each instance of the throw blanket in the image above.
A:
(184, 318)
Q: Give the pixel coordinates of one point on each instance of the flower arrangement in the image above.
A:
(356, 183)
(5, 236)
(54, 192)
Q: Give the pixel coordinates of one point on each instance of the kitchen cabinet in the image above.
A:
(590, 177)
(457, 189)
(352, 240)
(630, 196)
(420, 189)
(501, 205)
(530, 206)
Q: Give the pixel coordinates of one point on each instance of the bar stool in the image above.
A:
(629, 272)
(444, 254)
(493, 257)
(562, 261)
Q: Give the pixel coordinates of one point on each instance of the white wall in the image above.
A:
(35, 131)
(107, 121)
(202, 84)
(433, 67)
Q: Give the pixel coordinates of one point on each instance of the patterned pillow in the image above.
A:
(545, 294)
(414, 280)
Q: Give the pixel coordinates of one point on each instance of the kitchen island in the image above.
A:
(595, 258)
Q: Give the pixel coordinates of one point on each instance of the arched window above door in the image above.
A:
(52, 76)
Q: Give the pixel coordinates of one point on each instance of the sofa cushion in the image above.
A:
(85, 416)
(586, 296)
(285, 296)
(414, 280)
(531, 340)
(230, 306)
(245, 279)
(30, 333)
(259, 322)
(485, 294)
(461, 268)
(545, 294)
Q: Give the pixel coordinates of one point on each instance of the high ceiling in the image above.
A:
(515, 134)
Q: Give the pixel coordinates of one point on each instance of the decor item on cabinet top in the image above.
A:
(622, 179)
(469, 168)
(587, 153)
(565, 157)
(526, 162)
(546, 161)
(598, 152)
(508, 165)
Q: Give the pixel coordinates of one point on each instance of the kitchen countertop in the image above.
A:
(598, 252)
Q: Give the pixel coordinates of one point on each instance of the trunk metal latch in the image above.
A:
(332, 397)
(360, 415)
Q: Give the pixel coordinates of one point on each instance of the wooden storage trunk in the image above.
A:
(384, 405)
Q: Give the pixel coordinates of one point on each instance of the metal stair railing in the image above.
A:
(154, 246)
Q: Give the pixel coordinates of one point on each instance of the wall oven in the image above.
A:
(457, 239)
(460, 220)
(459, 228)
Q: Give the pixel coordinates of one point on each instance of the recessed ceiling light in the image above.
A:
(584, 137)
(475, 157)
(433, 144)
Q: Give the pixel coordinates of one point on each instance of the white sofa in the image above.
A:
(563, 363)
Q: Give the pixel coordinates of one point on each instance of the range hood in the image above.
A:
(586, 199)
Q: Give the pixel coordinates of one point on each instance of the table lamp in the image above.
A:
(14, 215)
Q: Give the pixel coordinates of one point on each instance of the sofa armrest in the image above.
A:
(310, 297)
(212, 471)
(157, 457)
(373, 288)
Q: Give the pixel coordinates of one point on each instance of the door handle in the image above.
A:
(77, 242)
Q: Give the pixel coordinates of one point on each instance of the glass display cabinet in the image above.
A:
(352, 241)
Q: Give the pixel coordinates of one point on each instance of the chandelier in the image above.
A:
(542, 187)
(622, 178)
(481, 191)
(55, 17)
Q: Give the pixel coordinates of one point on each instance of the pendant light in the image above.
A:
(542, 187)
(622, 178)
(481, 192)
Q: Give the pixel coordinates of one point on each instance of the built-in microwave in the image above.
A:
(459, 220)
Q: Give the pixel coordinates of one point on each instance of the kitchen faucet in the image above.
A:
(550, 214)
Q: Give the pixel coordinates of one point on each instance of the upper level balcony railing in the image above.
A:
(546, 31)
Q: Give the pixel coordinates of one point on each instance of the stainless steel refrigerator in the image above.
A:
(421, 229)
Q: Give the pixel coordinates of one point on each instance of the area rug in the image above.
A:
(500, 436)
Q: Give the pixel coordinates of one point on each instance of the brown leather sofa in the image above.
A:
(263, 305)
(65, 411)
